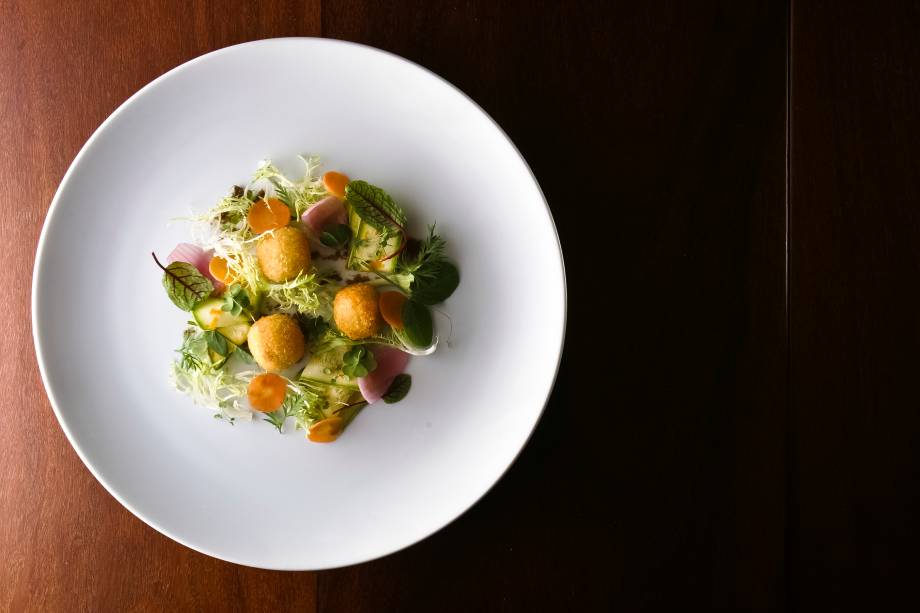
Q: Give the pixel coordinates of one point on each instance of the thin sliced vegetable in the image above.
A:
(197, 257)
(255, 296)
(391, 304)
(193, 254)
(266, 392)
(327, 430)
(390, 362)
(266, 215)
(329, 210)
(335, 182)
(236, 333)
(220, 270)
(210, 315)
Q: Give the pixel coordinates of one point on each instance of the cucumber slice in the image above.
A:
(323, 375)
(210, 316)
(367, 249)
(339, 396)
(326, 369)
(236, 333)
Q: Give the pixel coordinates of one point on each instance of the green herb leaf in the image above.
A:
(358, 362)
(437, 285)
(336, 235)
(184, 285)
(244, 355)
(374, 206)
(398, 389)
(236, 300)
(417, 326)
(193, 351)
(428, 276)
(285, 195)
(217, 343)
(313, 327)
(292, 405)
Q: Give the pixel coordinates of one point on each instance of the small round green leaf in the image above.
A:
(438, 285)
(398, 389)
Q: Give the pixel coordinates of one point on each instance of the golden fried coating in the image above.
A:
(283, 254)
(276, 342)
(355, 311)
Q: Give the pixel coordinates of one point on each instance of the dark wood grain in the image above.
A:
(656, 477)
(854, 498)
(66, 544)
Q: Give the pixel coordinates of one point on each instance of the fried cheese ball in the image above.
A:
(283, 254)
(276, 342)
(355, 311)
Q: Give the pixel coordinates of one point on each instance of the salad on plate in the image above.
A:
(306, 300)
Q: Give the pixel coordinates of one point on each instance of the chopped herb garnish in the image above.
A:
(374, 241)
(293, 404)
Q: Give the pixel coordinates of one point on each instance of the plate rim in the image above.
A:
(37, 340)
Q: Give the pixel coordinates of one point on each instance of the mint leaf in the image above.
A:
(184, 285)
(398, 389)
(417, 326)
(374, 206)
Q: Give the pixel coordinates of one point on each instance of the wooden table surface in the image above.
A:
(736, 423)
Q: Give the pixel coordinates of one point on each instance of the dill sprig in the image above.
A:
(292, 406)
(428, 277)
(193, 352)
(430, 254)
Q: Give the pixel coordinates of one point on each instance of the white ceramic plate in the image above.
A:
(105, 331)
